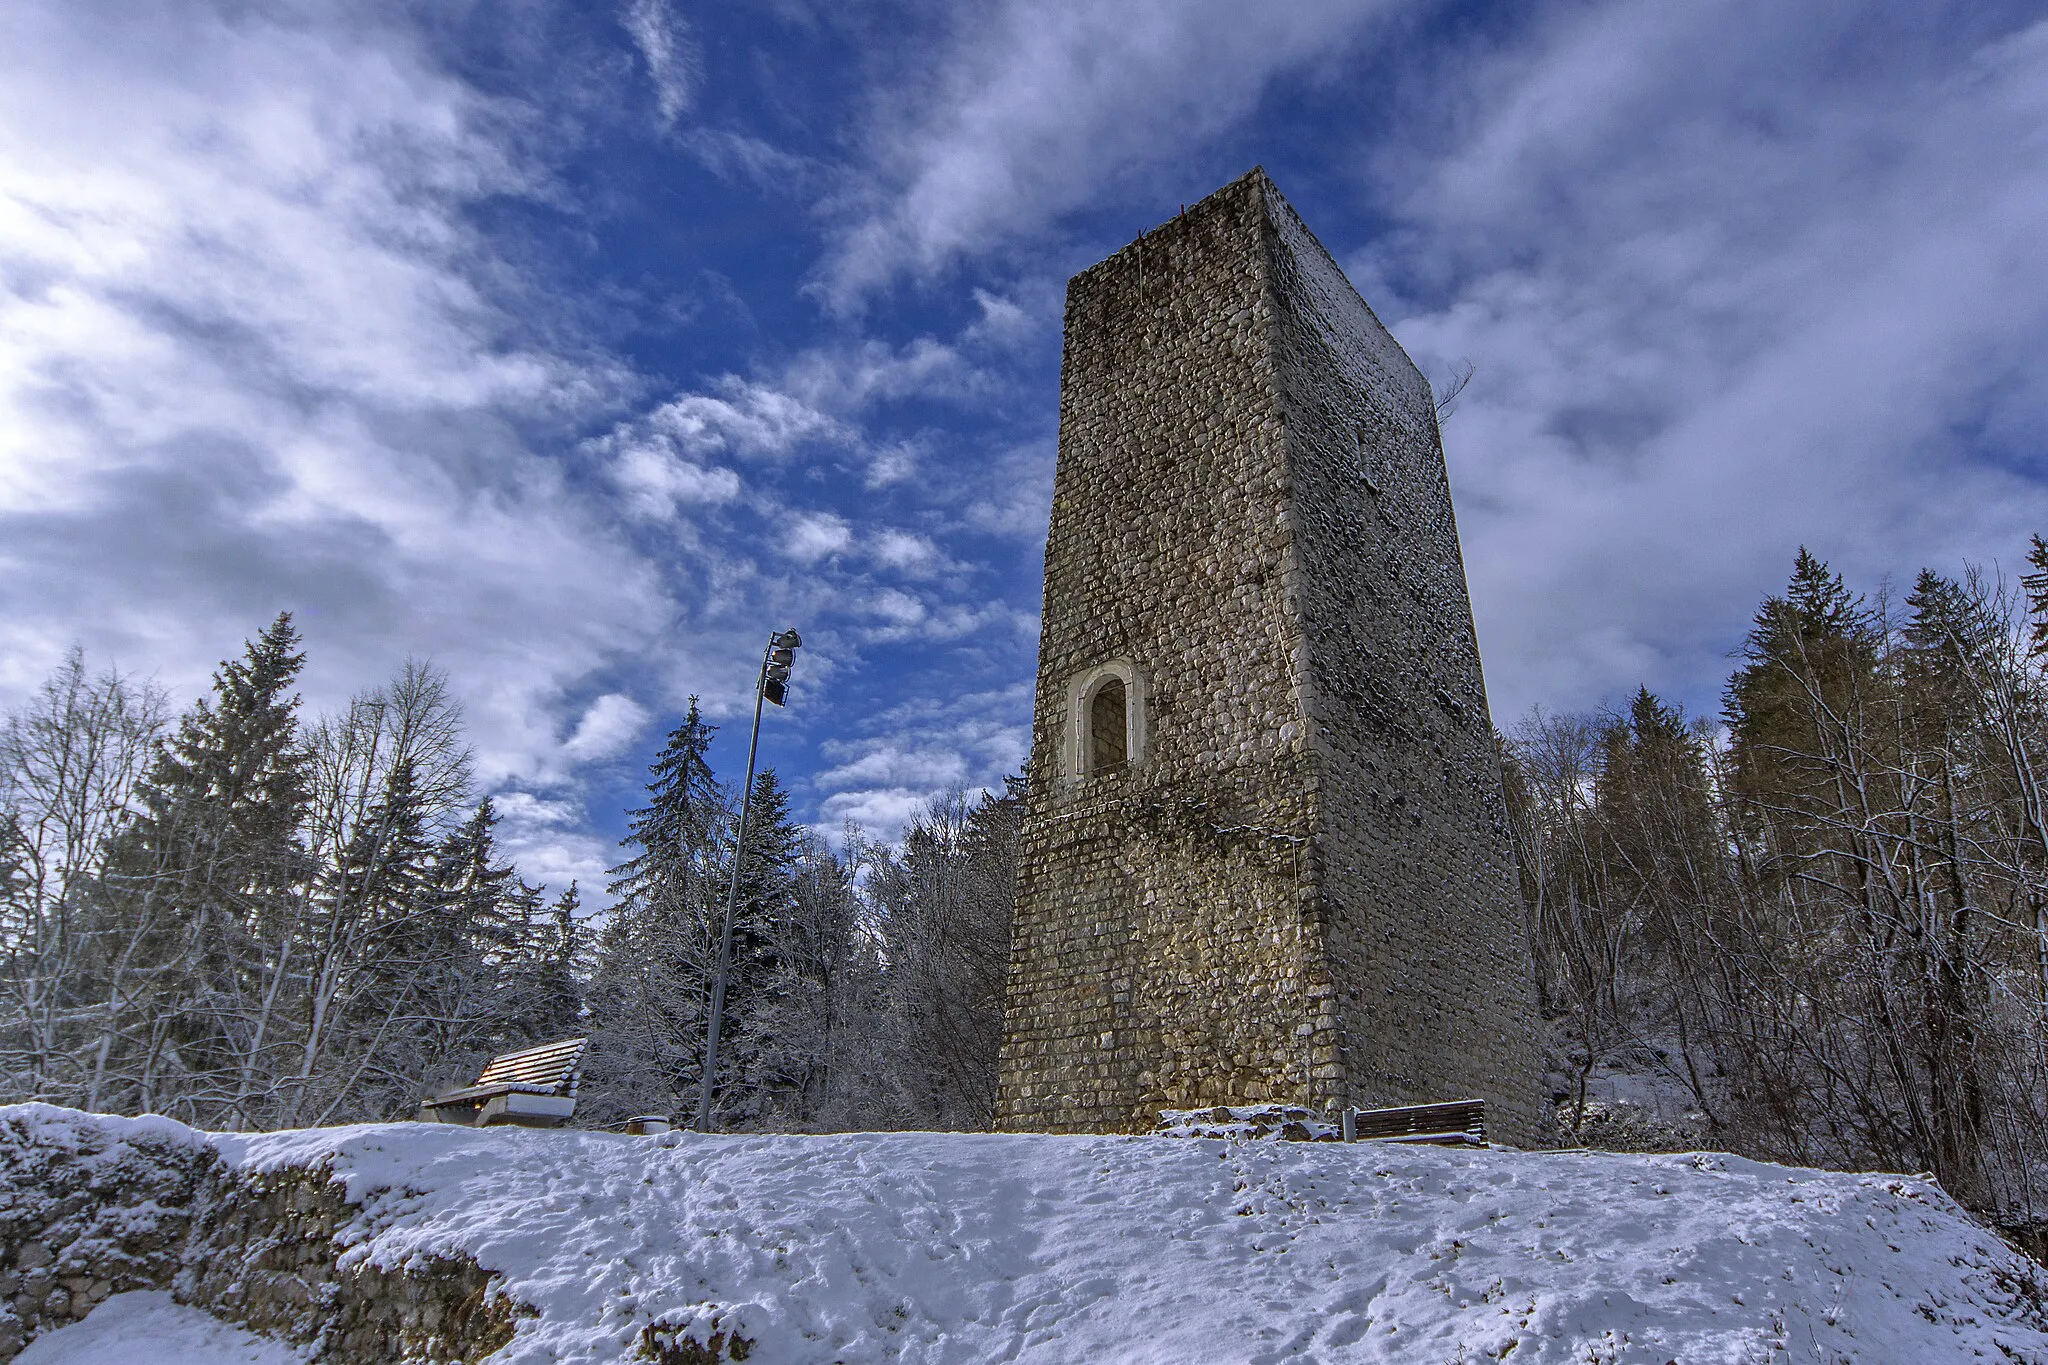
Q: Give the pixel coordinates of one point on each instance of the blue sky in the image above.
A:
(576, 346)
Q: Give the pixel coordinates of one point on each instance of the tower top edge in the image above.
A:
(1253, 191)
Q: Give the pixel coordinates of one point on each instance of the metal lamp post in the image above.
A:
(771, 685)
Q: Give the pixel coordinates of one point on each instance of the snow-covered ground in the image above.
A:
(954, 1247)
(970, 1248)
(147, 1328)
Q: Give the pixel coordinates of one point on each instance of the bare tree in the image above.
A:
(69, 762)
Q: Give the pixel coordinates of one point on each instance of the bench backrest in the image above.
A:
(552, 1065)
(1416, 1120)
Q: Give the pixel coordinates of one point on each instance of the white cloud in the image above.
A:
(884, 763)
(1033, 108)
(849, 377)
(608, 727)
(882, 813)
(673, 62)
(892, 464)
(919, 750)
(550, 843)
(812, 536)
(744, 418)
(1015, 500)
(658, 482)
(1719, 310)
(1005, 324)
(898, 608)
(249, 360)
(903, 550)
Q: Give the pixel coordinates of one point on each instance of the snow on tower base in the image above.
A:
(1264, 856)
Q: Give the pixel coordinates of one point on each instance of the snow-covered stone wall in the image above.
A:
(90, 1207)
(93, 1206)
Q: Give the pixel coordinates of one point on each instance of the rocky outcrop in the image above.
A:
(92, 1206)
(89, 1209)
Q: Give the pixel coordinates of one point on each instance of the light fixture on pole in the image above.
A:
(771, 685)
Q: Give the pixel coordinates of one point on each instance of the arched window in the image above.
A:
(1106, 727)
(1108, 730)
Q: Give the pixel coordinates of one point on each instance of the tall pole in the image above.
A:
(732, 895)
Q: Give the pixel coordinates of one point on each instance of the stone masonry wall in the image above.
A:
(92, 1206)
(1298, 892)
(1162, 953)
(1424, 922)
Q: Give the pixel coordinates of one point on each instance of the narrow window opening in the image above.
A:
(1108, 742)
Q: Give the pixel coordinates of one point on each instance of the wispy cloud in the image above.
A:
(674, 64)
(810, 537)
(609, 725)
(250, 360)
(918, 750)
(1035, 107)
(1720, 309)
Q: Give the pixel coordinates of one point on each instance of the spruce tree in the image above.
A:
(208, 867)
(675, 832)
(470, 885)
(651, 983)
(222, 804)
(752, 1064)
(466, 937)
(554, 1002)
(1808, 666)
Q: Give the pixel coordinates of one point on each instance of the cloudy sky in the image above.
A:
(574, 345)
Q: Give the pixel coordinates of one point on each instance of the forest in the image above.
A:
(248, 919)
(1810, 928)
(1819, 916)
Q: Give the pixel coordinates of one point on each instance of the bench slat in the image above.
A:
(549, 1064)
(1456, 1121)
(548, 1070)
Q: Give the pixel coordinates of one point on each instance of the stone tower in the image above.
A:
(1264, 854)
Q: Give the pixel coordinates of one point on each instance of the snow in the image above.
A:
(147, 1328)
(91, 1136)
(929, 1247)
(959, 1247)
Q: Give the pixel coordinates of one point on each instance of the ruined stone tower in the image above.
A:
(1264, 855)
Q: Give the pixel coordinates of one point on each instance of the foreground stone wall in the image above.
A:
(92, 1206)
(1297, 889)
(84, 1215)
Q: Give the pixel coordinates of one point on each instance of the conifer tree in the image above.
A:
(222, 805)
(207, 866)
(467, 937)
(470, 885)
(552, 1004)
(675, 833)
(1808, 666)
(754, 1064)
(650, 985)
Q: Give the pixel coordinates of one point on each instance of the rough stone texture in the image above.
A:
(1299, 891)
(85, 1214)
(92, 1206)
(269, 1254)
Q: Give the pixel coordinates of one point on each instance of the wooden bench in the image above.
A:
(533, 1088)
(1458, 1123)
